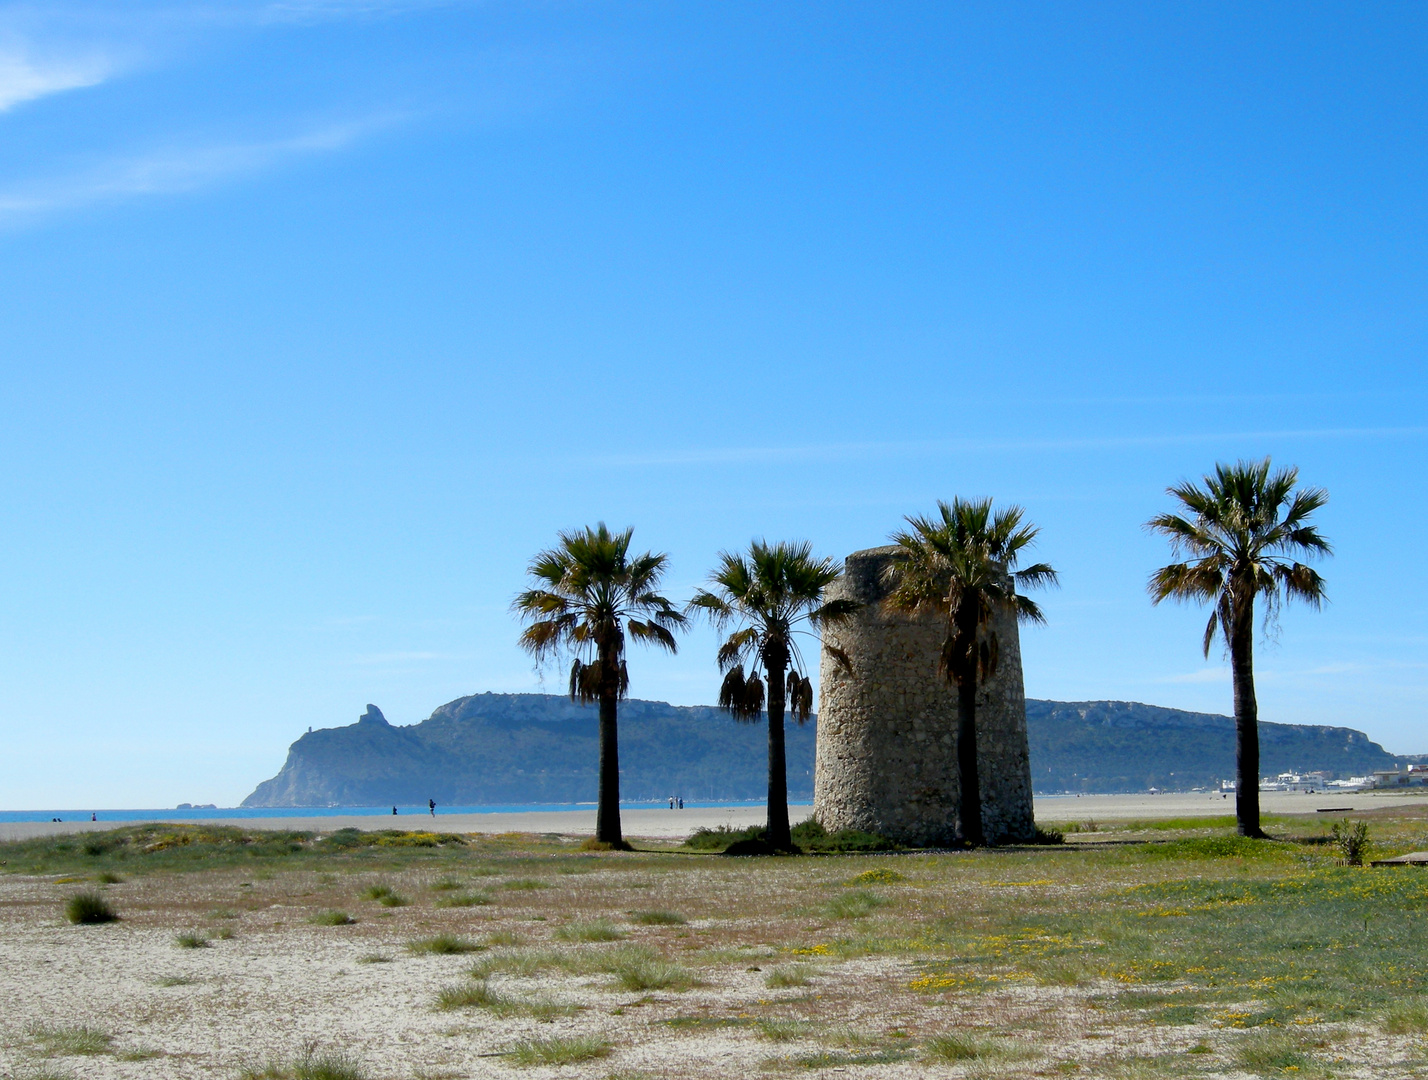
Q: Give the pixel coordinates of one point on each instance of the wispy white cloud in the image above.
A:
(25, 77)
(174, 171)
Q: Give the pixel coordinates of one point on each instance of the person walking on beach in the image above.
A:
(431, 805)
(394, 811)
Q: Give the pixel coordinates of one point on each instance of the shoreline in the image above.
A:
(665, 824)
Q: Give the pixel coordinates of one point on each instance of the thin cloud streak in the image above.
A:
(178, 171)
(24, 78)
(847, 451)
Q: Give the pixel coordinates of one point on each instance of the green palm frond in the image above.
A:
(1244, 524)
(769, 591)
(590, 592)
(739, 644)
(964, 559)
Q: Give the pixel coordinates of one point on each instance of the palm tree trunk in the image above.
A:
(778, 831)
(969, 777)
(607, 810)
(1246, 721)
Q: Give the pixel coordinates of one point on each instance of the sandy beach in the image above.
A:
(661, 824)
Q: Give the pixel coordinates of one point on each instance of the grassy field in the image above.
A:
(1146, 949)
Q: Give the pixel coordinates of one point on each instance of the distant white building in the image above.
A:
(1409, 776)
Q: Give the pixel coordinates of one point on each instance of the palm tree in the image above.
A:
(589, 592)
(768, 593)
(1243, 528)
(962, 566)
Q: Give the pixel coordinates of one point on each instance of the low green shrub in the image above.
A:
(807, 836)
(1352, 840)
(812, 837)
(89, 908)
(331, 918)
(191, 940)
(878, 876)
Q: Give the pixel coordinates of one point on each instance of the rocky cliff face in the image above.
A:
(1108, 746)
(516, 748)
(520, 748)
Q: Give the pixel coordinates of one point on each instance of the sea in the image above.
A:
(211, 813)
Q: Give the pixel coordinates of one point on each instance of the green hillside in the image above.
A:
(520, 748)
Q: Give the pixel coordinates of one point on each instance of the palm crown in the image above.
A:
(593, 591)
(1245, 527)
(769, 592)
(967, 551)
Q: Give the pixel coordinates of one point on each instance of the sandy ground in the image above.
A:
(673, 824)
(280, 985)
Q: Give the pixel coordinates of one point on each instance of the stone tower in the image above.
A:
(887, 732)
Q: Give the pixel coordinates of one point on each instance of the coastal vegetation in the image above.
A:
(1244, 527)
(961, 566)
(766, 596)
(1146, 948)
(591, 592)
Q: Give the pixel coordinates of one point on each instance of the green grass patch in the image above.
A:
(858, 904)
(76, 1041)
(443, 945)
(191, 940)
(466, 900)
(567, 1051)
(836, 1059)
(1273, 1053)
(590, 930)
(310, 1066)
(524, 884)
(658, 918)
(385, 895)
(787, 975)
(1406, 1017)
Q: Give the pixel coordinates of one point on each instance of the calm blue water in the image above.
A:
(337, 811)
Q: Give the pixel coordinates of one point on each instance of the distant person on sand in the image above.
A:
(671, 802)
(394, 811)
(93, 817)
(431, 805)
(681, 803)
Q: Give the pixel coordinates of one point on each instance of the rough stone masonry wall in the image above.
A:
(887, 731)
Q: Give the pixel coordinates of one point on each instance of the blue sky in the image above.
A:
(319, 318)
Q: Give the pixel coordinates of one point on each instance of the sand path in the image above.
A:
(663, 824)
